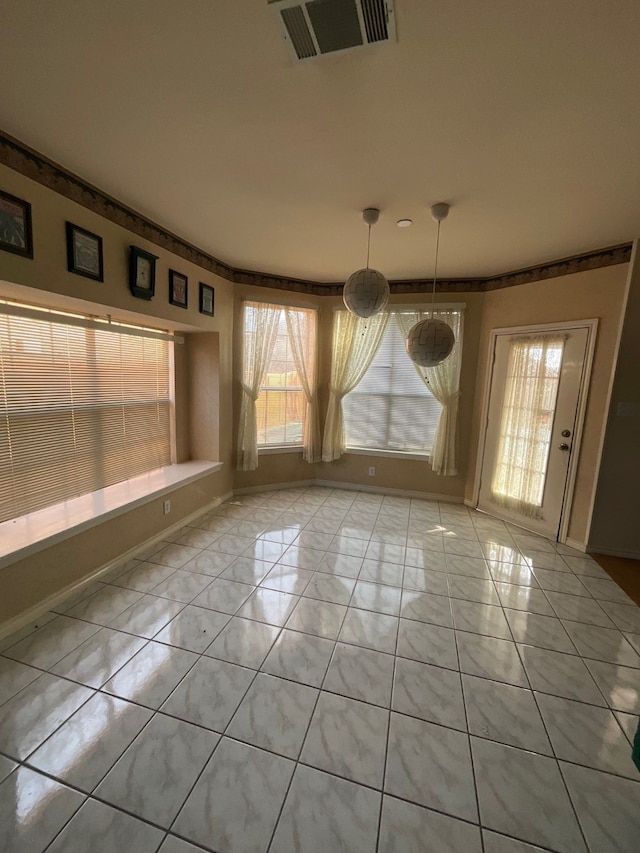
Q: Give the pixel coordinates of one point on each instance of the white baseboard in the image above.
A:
(272, 487)
(351, 487)
(576, 545)
(38, 610)
(610, 552)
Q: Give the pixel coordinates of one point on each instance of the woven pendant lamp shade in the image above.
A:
(366, 292)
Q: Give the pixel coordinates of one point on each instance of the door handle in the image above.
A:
(563, 446)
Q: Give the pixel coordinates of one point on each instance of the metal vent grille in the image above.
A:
(318, 27)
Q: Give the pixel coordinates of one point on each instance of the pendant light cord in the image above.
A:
(368, 246)
(435, 271)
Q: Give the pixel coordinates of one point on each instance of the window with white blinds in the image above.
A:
(81, 408)
(391, 408)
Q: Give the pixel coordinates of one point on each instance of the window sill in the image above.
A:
(28, 534)
(283, 448)
(392, 454)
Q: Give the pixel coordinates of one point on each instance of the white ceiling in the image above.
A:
(524, 116)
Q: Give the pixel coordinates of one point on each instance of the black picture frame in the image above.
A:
(178, 289)
(206, 303)
(84, 253)
(142, 273)
(16, 235)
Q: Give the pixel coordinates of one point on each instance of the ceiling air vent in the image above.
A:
(317, 27)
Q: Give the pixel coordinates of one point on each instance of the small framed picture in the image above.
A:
(206, 299)
(142, 273)
(84, 252)
(178, 289)
(15, 225)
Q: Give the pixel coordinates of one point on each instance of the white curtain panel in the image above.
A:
(355, 342)
(443, 381)
(531, 389)
(302, 329)
(260, 331)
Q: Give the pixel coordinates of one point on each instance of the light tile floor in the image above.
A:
(316, 671)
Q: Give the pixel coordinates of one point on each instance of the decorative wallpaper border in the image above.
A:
(33, 165)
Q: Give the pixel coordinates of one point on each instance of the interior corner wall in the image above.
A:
(614, 523)
(45, 281)
(595, 293)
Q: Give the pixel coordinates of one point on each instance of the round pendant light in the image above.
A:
(430, 341)
(366, 291)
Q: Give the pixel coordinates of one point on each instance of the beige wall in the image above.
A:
(596, 293)
(202, 370)
(614, 526)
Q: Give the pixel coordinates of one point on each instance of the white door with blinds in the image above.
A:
(536, 384)
(81, 408)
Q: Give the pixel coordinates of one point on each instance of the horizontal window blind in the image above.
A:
(80, 409)
(391, 408)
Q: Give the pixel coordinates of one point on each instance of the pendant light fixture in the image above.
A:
(430, 341)
(366, 291)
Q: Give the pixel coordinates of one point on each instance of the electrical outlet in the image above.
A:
(166, 507)
(372, 471)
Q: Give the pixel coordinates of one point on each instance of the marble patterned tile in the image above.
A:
(490, 658)
(361, 674)
(494, 843)
(172, 844)
(196, 538)
(427, 643)
(14, 676)
(629, 723)
(299, 657)
(342, 564)
(463, 547)
(97, 826)
(428, 692)
(605, 644)
(26, 631)
(302, 558)
(504, 713)
(229, 543)
(634, 639)
(469, 567)
(377, 571)
(520, 575)
(317, 617)
(87, 590)
(6, 767)
(376, 631)
(473, 589)
(211, 563)
(29, 717)
(263, 549)
(606, 590)
(352, 547)
(333, 588)
(224, 595)
(49, 644)
(210, 693)
(268, 605)
(323, 813)
(424, 558)
(524, 598)
(89, 743)
(194, 628)
(147, 616)
(309, 538)
(154, 776)
(515, 787)
(546, 632)
(33, 809)
(347, 738)
(243, 641)
(425, 607)
(607, 808)
(287, 579)
(579, 609)
(383, 552)
(406, 828)
(560, 582)
(584, 565)
(247, 570)
(479, 618)
(143, 577)
(236, 802)
(377, 597)
(560, 675)
(424, 580)
(431, 766)
(626, 618)
(151, 674)
(527, 543)
(274, 715)
(585, 734)
(620, 685)
(174, 555)
(99, 657)
(182, 586)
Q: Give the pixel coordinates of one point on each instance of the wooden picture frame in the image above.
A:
(84, 253)
(16, 235)
(206, 302)
(178, 289)
(142, 273)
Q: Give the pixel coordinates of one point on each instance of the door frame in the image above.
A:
(591, 325)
